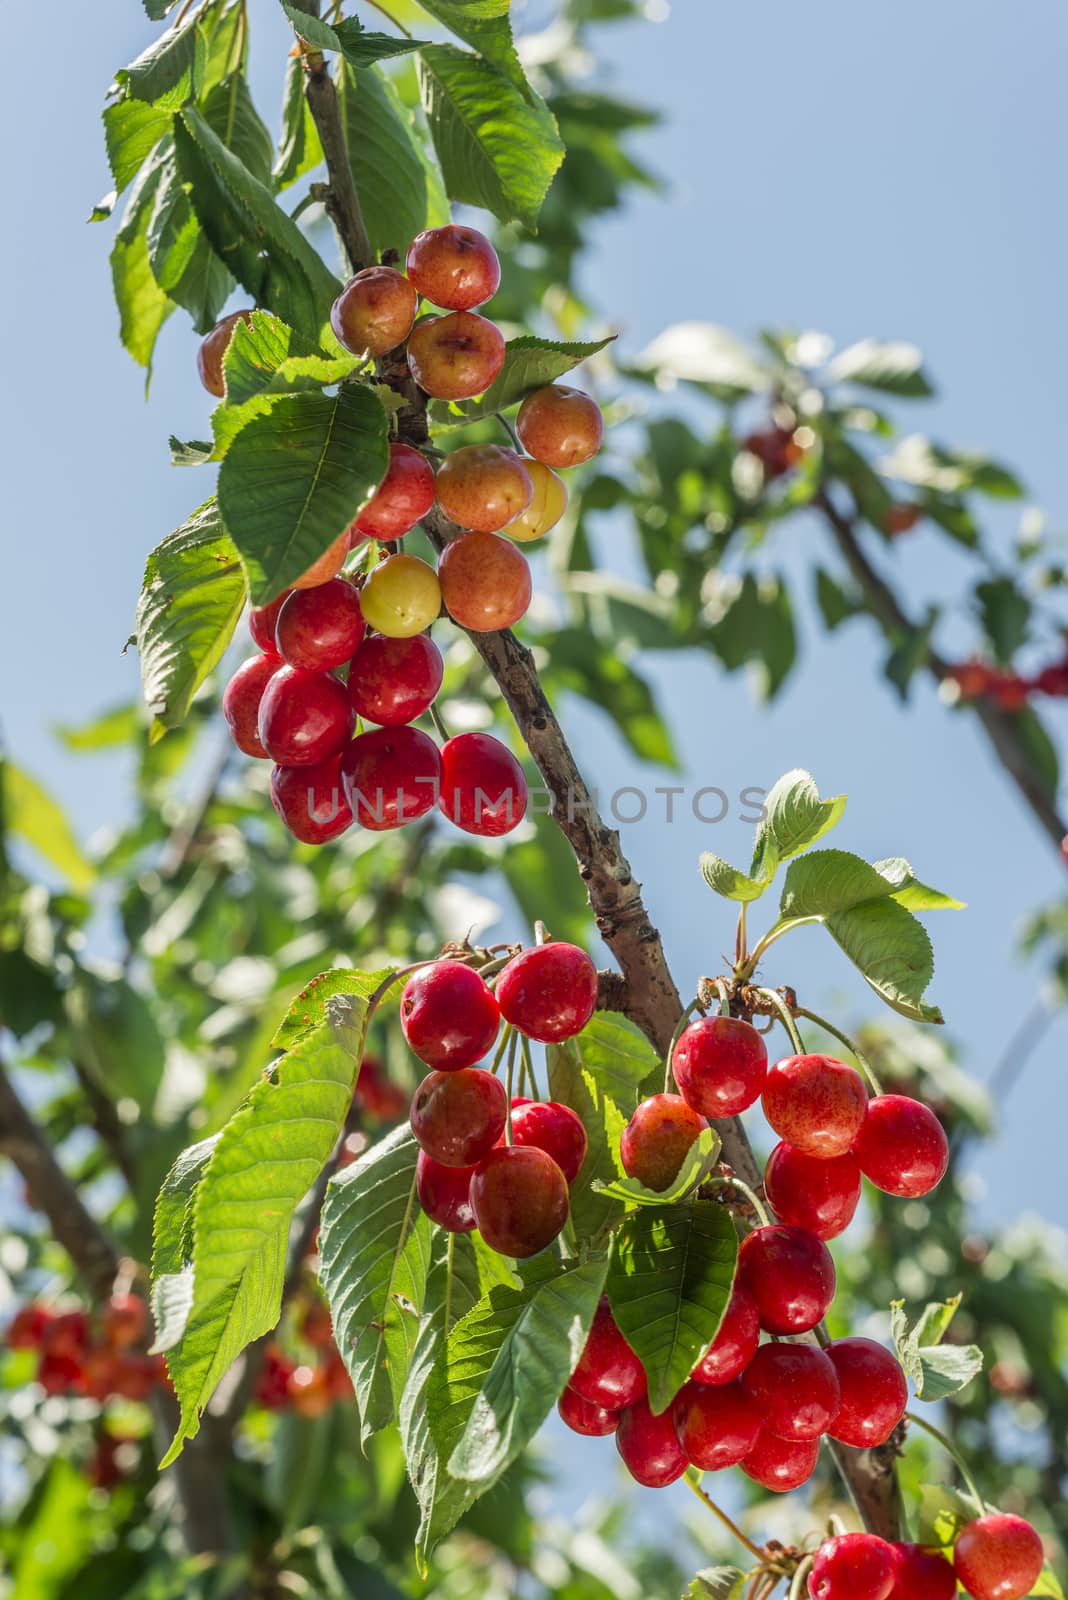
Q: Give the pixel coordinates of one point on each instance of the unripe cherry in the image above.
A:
(790, 1274)
(998, 1557)
(582, 1416)
(391, 776)
(657, 1139)
(444, 1193)
(483, 790)
(717, 1427)
(815, 1103)
(483, 487)
(854, 1566)
(795, 1389)
(548, 992)
(554, 1128)
(320, 628)
(720, 1064)
(213, 348)
(457, 356)
(902, 1147)
(374, 312)
(448, 1015)
(402, 499)
(821, 1196)
(241, 702)
(304, 717)
(393, 681)
(873, 1389)
(545, 509)
(326, 566)
(609, 1373)
(458, 1117)
(921, 1574)
(559, 426)
(401, 596)
(520, 1200)
(781, 1464)
(311, 800)
(485, 582)
(454, 267)
(649, 1446)
(736, 1342)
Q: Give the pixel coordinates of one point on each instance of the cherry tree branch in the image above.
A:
(342, 201)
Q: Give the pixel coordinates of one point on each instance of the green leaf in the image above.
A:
(498, 149)
(1041, 752)
(794, 819)
(172, 1245)
(892, 952)
(937, 1370)
(836, 604)
(229, 111)
(700, 1159)
(573, 1084)
(619, 1056)
(349, 37)
(308, 1009)
(400, 189)
(909, 892)
(942, 1513)
(669, 1281)
(143, 305)
(578, 662)
(163, 74)
(105, 732)
(830, 880)
(728, 881)
(192, 595)
(295, 477)
(267, 358)
(717, 1583)
(1005, 614)
(894, 368)
(299, 147)
(29, 812)
(704, 354)
(529, 363)
(485, 26)
(132, 130)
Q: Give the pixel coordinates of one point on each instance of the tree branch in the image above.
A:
(342, 202)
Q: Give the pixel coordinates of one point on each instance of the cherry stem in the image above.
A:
(509, 430)
(750, 1194)
(509, 1083)
(541, 933)
(843, 1038)
(732, 1527)
(951, 1450)
(669, 1076)
(750, 964)
(439, 727)
(502, 1045)
(722, 988)
(785, 1018)
(741, 938)
(797, 1587)
(527, 1080)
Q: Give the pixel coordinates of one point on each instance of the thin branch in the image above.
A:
(342, 202)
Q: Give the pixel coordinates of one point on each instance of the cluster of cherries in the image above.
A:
(996, 1557)
(98, 1356)
(308, 1387)
(501, 1165)
(1010, 691)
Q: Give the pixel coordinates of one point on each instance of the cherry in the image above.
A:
(776, 449)
(444, 1193)
(973, 678)
(393, 681)
(124, 1321)
(485, 582)
(374, 311)
(901, 517)
(520, 1199)
(262, 621)
(326, 566)
(790, 1274)
(58, 1372)
(582, 1416)
(454, 267)
(402, 499)
(29, 1327)
(67, 1334)
(921, 1574)
(545, 509)
(272, 1385)
(448, 1015)
(657, 1138)
(311, 801)
(554, 1128)
(873, 1389)
(650, 1446)
(456, 357)
(1053, 679)
(1009, 692)
(795, 1388)
(781, 1464)
(902, 1147)
(483, 789)
(735, 1344)
(134, 1377)
(241, 702)
(381, 1099)
(457, 1117)
(720, 1064)
(401, 596)
(815, 1103)
(320, 628)
(549, 992)
(484, 486)
(821, 1196)
(608, 1374)
(304, 717)
(854, 1566)
(316, 1325)
(213, 348)
(308, 1391)
(391, 777)
(717, 1427)
(998, 1557)
(560, 427)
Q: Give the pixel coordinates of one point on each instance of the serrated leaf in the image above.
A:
(700, 1159)
(308, 1009)
(669, 1281)
(294, 478)
(794, 819)
(132, 130)
(728, 881)
(574, 1085)
(229, 111)
(942, 1513)
(143, 305)
(485, 26)
(190, 452)
(400, 188)
(619, 1056)
(28, 812)
(717, 1583)
(894, 368)
(163, 74)
(299, 146)
(830, 880)
(892, 952)
(910, 892)
(266, 357)
(937, 1370)
(349, 37)
(529, 364)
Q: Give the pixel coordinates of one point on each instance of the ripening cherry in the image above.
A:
(902, 1147)
(457, 356)
(520, 1199)
(720, 1064)
(262, 621)
(650, 1446)
(821, 1196)
(873, 1389)
(560, 427)
(320, 628)
(781, 1464)
(326, 566)
(921, 1574)
(484, 486)
(454, 267)
(998, 1557)
(815, 1103)
(657, 1139)
(854, 1566)
(391, 777)
(483, 790)
(311, 801)
(485, 582)
(304, 717)
(548, 992)
(608, 1374)
(272, 1385)
(213, 348)
(308, 1391)
(735, 1344)
(554, 1128)
(582, 1416)
(400, 597)
(901, 517)
(59, 1372)
(124, 1321)
(393, 681)
(67, 1333)
(718, 1427)
(241, 702)
(795, 1389)
(402, 499)
(448, 1015)
(457, 1117)
(374, 312)
(790, 1274)
(445, 1193)
(28, 1327)
(545, 509)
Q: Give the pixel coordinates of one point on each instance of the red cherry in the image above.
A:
(402, 499)
(583, 1417)
(873, 1389)
(815, 1103)
(790, 1274)
(921, 1574)
(308, 1391)
(457, 1117)
(547, 1125)
(124, 1321)
(902, 1147)
(448, 1015)
(59, 1373)
(855, 1566)
(262, 621)
(272, 1385)
(717, 1427)
(304, 717)
(736, 1342)
(311, 801)
(320, 628)
(719, 1065)
(998, 1557)
(1053, 680)
(316, 1325)
(67, 1334)
(650, 1446)
(655, 1142)
(520, 1200)
(241, 702)
(381, 1099)
(795, 1388)
(391, 776)
(483, 789)
(453, 267)
(445, 1193)
(549, 992)
(821, 1196)
(134, 1377)
(374, 311)
(393, 681)
(608, 1374)
(213, 348)
(28, 1327)
(457, 356)
(781, 1464)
